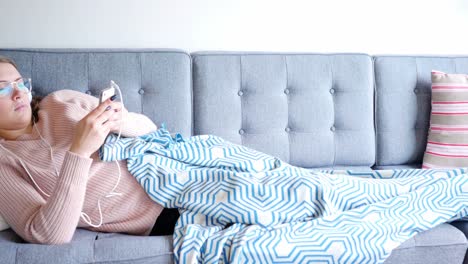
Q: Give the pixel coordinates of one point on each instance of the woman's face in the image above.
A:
(15, 109)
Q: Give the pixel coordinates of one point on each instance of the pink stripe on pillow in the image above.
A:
(446, 144)
(449, 128)
(444, 150)
(436, 87)
(452, 102)
(445, 155)
(445, 113)
(448, 124)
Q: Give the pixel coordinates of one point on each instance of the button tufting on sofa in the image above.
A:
(355, 75)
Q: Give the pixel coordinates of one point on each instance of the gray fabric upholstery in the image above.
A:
(14, 250)
(353, 168)
(156, 83)
(118, 247)
(397, 167)
(463, 226)
(88, 247)
(403, 103)
(310, 110)
(442, 244)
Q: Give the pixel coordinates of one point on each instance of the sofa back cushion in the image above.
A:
(154, 82)
(311, 110)
(403, 104)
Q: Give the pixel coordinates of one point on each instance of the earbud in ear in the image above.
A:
(30, 97)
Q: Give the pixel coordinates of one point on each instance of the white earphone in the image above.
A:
(83, 215)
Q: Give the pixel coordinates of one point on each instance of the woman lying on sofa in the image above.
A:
(51, 178)
(234, 201)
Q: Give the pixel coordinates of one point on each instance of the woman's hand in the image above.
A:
(120, 115)
(93, 129)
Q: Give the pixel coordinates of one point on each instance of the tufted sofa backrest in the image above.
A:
(154, 82)
(311, 110)
(403, 104)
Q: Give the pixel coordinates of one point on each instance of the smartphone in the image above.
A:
(106, 94)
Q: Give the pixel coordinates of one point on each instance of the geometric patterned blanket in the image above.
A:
(239, 205)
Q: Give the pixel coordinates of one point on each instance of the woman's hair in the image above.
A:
(36, 99)
(35, 108)
(8, 60)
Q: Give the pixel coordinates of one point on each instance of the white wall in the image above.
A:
(369, 26)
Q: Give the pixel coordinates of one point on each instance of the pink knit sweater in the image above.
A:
(81, 181)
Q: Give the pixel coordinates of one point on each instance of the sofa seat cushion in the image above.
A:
(120, 248)
(88, 247)
(462, 225)
(14, 250)
(443, 244)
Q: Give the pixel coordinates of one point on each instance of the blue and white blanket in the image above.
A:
(239, 205)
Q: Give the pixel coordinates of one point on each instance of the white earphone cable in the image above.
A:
(83, 215)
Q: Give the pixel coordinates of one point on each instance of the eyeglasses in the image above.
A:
(23, 85)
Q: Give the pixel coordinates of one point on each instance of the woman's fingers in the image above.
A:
(111, 125)
(118, 115)
(109, 114)
(101, 108)
(105, 116)
(119, 111)
(117, 106)
(92, 130)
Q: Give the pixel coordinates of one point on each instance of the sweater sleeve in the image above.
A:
(45, 221)
(134, 125)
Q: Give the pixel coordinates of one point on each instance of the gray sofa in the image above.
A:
(352, 111)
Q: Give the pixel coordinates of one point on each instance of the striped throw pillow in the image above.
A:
(447, 143)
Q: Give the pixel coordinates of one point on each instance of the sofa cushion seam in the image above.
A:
(131, 259)
(287, 106)
(434, 246)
